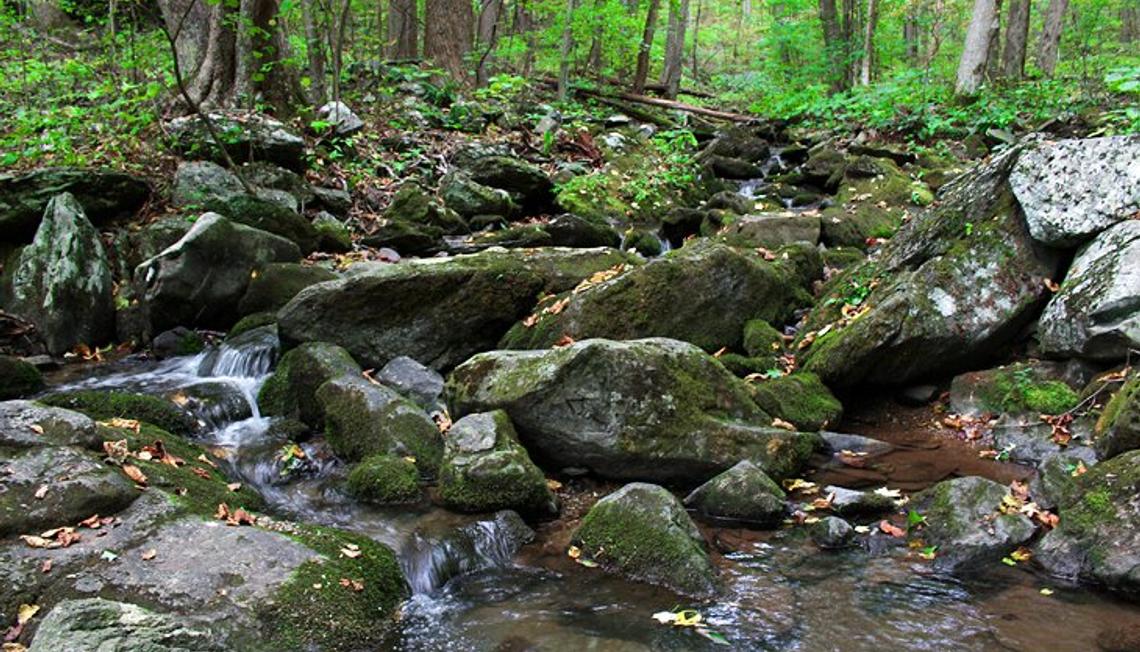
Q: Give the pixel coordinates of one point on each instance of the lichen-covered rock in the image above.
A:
(742, 494)
(245, 136)
(439, 311)
(103, 194)
(469, 198)
(964, 520)
(292, 389)
(341, 118)
(364, 419)
(421, 384)
(527, 184)
(832, 532)
(1098, 538)
(871, 203)
(269, 216)
(198, 182)
(652, 409)
(385, 480)
(774, 229)
(642, 531)
(412, 205)
(18, 378)
(800, 399)
(702, 294)
(199, 280)
(849, 502)
(24, 424)
(1061, 186)
(275, 284)
(1097, 312)
(63, 282)
(940, 297)
(1020, 388)
(334, 235)
(1118, 428)
(486, 469)
(97, 624)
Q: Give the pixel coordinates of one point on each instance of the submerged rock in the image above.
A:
(831, 532)
(653, 409)
(742, 494)
(964, 521)
(849, 502)
(642, 531)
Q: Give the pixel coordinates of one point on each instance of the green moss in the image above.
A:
(250, 322)
(643, 242)
(267, 216)
(743, 366)
(384, 479)
(18, 378)
(503, 477)
(1118, 404)
(1018, 389)
(761, 339)
(313, 610)
(800, 399)
(191, 343)
(334, 236)
(291, 390)
(105, 405)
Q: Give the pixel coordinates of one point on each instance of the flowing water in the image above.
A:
(475, 590)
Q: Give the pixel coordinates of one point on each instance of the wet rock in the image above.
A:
(415, 381)
(800, 399)
(1061, 187)
(837, 442)
(649, 409)
(247, 136)
(175, 342)
(341, 118)
(102, 194)
(963, 520)
(775, 229)
(198, 182)
(1096, 314)
(438, 311)
(276, 283)
(97, 624)
(732, 201)
(883, 150)
(849, 502)
(1056, 480)
(213, 402)
(1120, 638)
(527, 184)
(1022, 388)
(414, 206)
(739, 142)
(63, 282)
(18, 378)
(693, 294)
(642, 531)
(364, 419)
(742, 494)
(385, 480)
(292, 389)
(727, 167)
(486, 469)
(433, 559)
(1028, 440)
(680, 223)
(1118, 429)
(940, 297)
(104, 405)
(1098, 538)
(469, 198)
(200, 279)
(832, 532)
(21, 423)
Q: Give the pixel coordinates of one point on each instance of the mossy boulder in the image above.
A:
(872, 200)
(406, 238)
(95, 623)
(385, 480)
(438, 311)
(292, 389)
(413, 205)
(801, 399)
(103, 194)
(364, 419)
(24, 424)
(566, 230)
(964, 519)
(526, 183)
(1020, 388)
(470, 198)
(251, 322)
(1098, 539)
(850, 502)
(485, 469)
(245, 136)
(774, 229)
(107, 405)
(742, 494)
(1118, 428)
(18, 378)
(270, 217)
(275, 284)
(643, 532)
(703, 294)
(334, 235)
(654, 409)
(761, 340)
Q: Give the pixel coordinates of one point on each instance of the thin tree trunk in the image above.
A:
(972, 66)
(675, 47)
(490, 14)
(1016, 36)
(402, 29)
(447, 34)
(336, 37)
(1051, 36)
(847, 43)
(868, 59)
(524, 24)
(993, 52)
(567, 47)
(1129, 24)
(696, 41)
(642, 72)
(316, 52)
(911, 35)
(594, 61)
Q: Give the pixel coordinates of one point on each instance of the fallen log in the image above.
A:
(655, 101)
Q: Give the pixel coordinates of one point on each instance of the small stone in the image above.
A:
(832, 532)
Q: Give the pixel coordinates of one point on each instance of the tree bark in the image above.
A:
(490, 16)
(993, 52)
(1016, 36)
(868, 59)
(642, 72)
(447, 34)
(402, 29)
(848, 32)
(911, 37)
(316, 51)
(594, 61)
(696, 42)
(829, 18)
(1051, 36)
(972, 66)
(567, 48)
(1129, 24)
(675, 47)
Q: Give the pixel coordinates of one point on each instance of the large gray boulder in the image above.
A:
(1071, 190)
(245, 136)
(1097, 312)
(964, 519)
(63, 283)
(103, 194)
(97, 624)
(291, 391)
(198, 182)
(652, 409)
(642, 531)
(439, 311)
(199, 280)
(742, 494)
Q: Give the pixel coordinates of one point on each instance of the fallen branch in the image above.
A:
(654, 101)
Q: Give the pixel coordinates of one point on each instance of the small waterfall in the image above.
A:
(429, 564)
(249, 355)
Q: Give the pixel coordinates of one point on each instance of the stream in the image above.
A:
(474, 589)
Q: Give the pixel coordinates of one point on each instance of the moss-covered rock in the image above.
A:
(334, 235)
(106, 405)
(801, 399)
(870, 203)
(566, 230)
(1020, 388)
(470, 198)
(18, 378)
(104, 195)
(413, 205)
(486, 469)
(743, 494)
(94, 623)
(644, 409)
(527, 184)
(250, 322)
(292, 389)
(364, 419)
(1118, 428)
(274, 285)
(385, 479)
(268, 216)
(643, 242)
(405, 237)
(850, 502)
(964, 519)
(642, 531)
(24, 424)
(761, 340)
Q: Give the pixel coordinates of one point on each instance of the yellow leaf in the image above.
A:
(574, 552)
(1046, 591)
(26, 612)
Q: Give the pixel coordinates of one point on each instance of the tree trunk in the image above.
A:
(567, 48)
(972, 66)
(524, 24)
(594, 61)
(1051, 36)
(868, 60)
(696, 41)
(1129, 24)
(1016, 36)
(316, 50)
(993, 52)
(47, 15)
(829, 18)
(911, 37)
(849, 29)
(402, 29)
(675, 47)
(642, 72)
(447, 34)
(490, 15)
